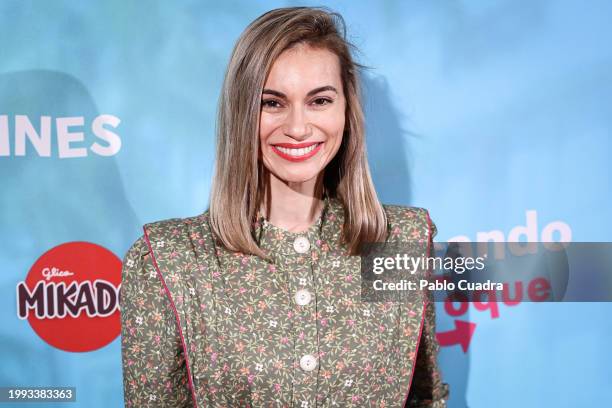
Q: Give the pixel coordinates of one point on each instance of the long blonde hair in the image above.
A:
(238, 183)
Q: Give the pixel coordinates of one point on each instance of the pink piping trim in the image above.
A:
(178, 322)
(416, 353)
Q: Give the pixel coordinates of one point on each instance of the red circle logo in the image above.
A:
(71, 296)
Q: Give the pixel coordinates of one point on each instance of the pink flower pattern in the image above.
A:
(237, 317)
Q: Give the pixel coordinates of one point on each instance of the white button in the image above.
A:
(301, 245)
(303, 297)
(308, 362)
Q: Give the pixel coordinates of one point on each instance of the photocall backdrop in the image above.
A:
(493, 115)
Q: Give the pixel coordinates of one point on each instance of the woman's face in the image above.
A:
(303, 113)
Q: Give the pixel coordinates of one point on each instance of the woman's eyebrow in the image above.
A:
(310, 93)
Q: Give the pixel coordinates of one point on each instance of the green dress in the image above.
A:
(203, 326)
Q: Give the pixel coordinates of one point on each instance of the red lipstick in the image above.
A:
(293, 158)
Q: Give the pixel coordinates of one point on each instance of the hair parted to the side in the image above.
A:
(238, 183)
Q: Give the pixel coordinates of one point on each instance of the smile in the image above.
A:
(297, 151)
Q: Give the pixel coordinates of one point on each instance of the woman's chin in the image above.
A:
(302, 177)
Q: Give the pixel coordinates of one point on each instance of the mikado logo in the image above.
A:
(71, 297)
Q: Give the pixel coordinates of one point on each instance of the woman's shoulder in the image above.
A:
(408, 220)
(178, 225)
(173, 232)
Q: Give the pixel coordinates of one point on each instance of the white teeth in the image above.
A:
(297, 152)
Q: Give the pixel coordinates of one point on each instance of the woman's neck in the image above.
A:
(293, 206)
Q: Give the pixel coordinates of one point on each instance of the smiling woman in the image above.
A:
(291, 80)
(257, 301)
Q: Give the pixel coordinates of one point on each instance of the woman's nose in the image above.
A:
(296, 125)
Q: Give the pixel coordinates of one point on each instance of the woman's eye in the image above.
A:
(270, 103)
(322, 101)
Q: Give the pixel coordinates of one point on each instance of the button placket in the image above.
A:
(303, 298)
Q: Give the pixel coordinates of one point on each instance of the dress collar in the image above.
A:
(323, 234)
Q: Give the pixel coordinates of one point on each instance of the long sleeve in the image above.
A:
(154, 370)
(427, 388)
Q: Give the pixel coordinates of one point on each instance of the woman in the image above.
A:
(256, 302)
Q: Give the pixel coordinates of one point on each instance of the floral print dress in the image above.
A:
(203, 326)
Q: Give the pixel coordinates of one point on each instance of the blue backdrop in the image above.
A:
(490, 114)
